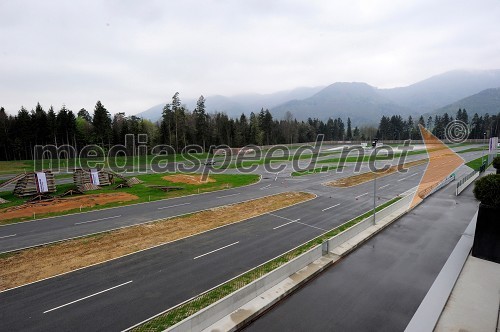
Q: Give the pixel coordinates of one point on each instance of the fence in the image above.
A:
(466, 181)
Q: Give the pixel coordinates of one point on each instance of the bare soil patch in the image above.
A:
(368, 176)
(38, 263)
(188, 179)
(63, 204)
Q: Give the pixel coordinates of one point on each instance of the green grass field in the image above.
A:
(144, 192)
(19, 166)
(476, 163)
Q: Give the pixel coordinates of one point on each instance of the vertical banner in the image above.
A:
(41, 181)
(493, 144)
(94, 176)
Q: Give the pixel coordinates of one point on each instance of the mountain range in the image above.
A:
(476, 90)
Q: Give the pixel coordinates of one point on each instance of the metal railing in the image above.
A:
(465, 181)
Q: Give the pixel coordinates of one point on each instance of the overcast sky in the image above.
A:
(132, 55)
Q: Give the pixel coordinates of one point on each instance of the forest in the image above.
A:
(180, 126)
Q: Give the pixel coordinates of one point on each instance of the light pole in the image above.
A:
(374, 145)
(482, 157)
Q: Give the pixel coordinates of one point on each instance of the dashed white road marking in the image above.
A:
(86, 297)
(288, 223)
(385, 186)
(171, 206)
(331, 207)
(89, 221)
(265, 187)
(361, 195)
(228, 195)
(211, 252)
(6, 236)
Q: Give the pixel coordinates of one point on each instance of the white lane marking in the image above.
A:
(86, 222)
(86, 297)
(361, 195)
(331, 207)
(414, 174)
(6, 236)
(211, 252)
(228, 195)
(170, 206)
(402, 179)
(265, 187)
(275, 215)
(288, 223)
(409, 176)
(387, 185)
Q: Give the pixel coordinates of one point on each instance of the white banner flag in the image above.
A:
(41, 180)
(493, 144)
(94, 175)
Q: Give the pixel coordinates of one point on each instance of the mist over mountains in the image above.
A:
(475, 90)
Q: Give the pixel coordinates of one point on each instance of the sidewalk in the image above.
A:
(474, 303)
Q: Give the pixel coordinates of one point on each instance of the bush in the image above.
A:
(496, 162)
(487, 190)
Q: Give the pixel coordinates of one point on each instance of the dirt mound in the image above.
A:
(188, 179)
(63, 204)
(368, 176)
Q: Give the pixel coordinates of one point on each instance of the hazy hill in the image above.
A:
(360, 101)
(238, 104)
(486, 101)
(440, 90)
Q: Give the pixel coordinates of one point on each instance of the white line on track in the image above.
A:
(385, 186)
(402, 179)
(331, 207)
(86, 297)
(265, 187)
(275, 215)
(288, 223)
(361, 195)
(211, 252)
(6, 236)
(86, 222)
(170, 206)
(414, 174)
(228, 195)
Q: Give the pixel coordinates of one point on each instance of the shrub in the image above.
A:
(496, 162)
(487, 190)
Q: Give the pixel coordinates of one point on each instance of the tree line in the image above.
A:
(180, 126)
(395, 128)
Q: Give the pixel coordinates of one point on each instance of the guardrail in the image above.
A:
(466, 181)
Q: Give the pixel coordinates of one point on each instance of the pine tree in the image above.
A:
(101, 122)
(201, 122)
(349, 132)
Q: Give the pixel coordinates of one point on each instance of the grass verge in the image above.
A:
(476, 163)
(180, 312)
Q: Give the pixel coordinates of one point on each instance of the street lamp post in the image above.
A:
(374, 145)
(482, 157)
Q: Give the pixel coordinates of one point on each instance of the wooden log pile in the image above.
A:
(27, 184)
(83, 179)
